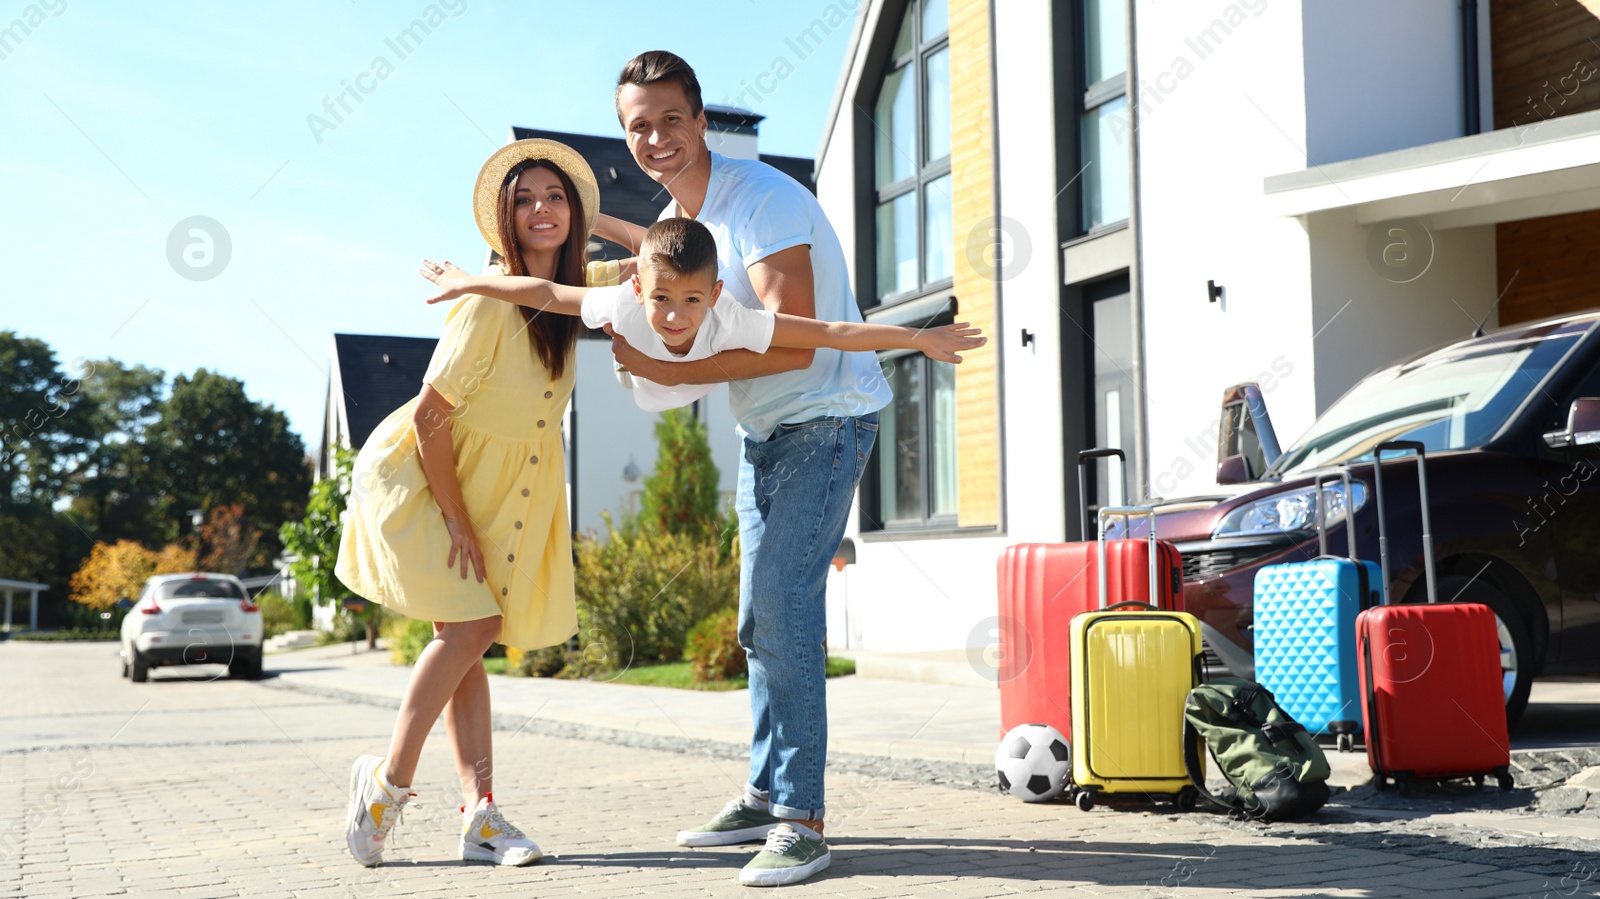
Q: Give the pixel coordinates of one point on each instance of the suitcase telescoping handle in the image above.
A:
(1349, 513)
(1084, 458)
(1127, 514)
(1422, 501)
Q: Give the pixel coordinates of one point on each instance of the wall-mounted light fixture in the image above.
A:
(1213, 291)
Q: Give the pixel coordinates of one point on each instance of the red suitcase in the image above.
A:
(1430, 674)
(1042, 586)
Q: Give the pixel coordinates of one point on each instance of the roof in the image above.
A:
(22, 585)
(799, 168)
(377, 374)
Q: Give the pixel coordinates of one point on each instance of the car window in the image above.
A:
(212, 588)
(1454, 399)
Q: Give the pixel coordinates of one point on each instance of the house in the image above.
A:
(1144, 203)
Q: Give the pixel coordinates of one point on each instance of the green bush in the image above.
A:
(713, 649)
(546, 662)
(277, 614)
(406, 638)
(640, 592)
(66, 636)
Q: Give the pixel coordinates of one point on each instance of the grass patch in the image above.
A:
(670, 674)
(495, 666)
(678, 676)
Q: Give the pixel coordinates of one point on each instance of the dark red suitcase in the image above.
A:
(1430, 674)
(1041, 587)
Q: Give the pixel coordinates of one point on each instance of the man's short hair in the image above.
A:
(654, 67)
(681, 246)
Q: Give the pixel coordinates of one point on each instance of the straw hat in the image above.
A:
(486, 193)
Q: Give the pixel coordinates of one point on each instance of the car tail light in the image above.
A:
(151, 609)
(246, 605)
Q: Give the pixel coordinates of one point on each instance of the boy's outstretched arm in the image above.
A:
(535, 293)
(938, 343)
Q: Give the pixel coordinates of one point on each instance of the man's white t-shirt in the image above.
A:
(727, 326)
(753, 210)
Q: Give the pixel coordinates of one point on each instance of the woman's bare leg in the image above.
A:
(439, 671)
(468, 721)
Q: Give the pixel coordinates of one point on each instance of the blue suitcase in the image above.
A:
(1305, 630)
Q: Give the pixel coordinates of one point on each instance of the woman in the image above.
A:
(458, 512)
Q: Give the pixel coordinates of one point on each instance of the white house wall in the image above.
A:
(1444, 303)
(1222, 106)
(1381, 75)
(1025, 116)
(613, 432)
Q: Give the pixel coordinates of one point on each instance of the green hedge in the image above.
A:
(76, 635)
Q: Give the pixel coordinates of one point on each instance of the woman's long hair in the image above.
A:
(553, 335)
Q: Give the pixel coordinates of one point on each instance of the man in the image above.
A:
(808, 419)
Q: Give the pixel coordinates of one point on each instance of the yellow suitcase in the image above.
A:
(1132, 667)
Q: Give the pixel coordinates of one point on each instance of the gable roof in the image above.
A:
(374, 375)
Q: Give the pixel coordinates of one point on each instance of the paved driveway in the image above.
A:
(189, 786)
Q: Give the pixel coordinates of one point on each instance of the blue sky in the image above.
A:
(122, 122)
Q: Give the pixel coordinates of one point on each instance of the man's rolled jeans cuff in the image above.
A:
(757, 799)
(790, 813)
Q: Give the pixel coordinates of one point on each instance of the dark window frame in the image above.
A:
(871, 488)
(871, 196)
(1088, 98)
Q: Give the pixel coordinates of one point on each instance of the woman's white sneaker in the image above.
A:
(486, 836)
(374, 808)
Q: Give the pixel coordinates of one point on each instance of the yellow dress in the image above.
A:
(506, 430)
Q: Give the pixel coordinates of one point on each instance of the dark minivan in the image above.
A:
(1512, 428)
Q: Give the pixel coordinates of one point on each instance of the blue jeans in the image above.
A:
(795, 490)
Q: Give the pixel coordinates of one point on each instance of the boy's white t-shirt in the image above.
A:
(753, 211)
(728, 325)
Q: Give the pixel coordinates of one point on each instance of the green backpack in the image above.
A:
(1277, 770)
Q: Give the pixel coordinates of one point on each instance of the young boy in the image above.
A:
(669, 310)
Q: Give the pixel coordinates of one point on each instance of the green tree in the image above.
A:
(113, 496)
(49, 423)
(212, 445)
(680, 496)
(314, 539)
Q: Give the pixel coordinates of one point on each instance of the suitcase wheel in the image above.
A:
(1084, 800)
(1346, 742)
(1477, 780)
(1503, 778)
(1187, 798)
(1380, 783)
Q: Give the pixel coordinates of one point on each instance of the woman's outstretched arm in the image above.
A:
(536, 293)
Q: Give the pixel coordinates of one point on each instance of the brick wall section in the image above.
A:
(972, 177)
(1546, 65)
(1553, 260)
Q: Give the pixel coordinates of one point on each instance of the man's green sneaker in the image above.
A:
(736, 823)
(791, 855)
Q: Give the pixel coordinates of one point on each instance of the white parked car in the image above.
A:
(192, 619)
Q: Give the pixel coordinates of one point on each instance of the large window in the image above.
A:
(915, 242)
(911, 480)
(1103, 122)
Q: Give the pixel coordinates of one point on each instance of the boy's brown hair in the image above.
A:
(681, 246)
(655, 66)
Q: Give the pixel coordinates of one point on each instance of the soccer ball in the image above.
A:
(1034, 762)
